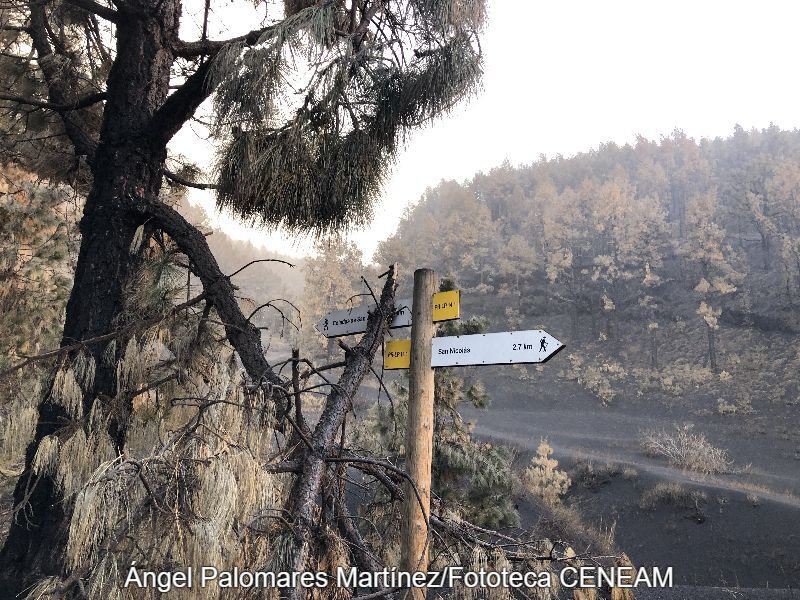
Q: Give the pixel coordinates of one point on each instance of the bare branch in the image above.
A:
(260, 260)
(288, 466)
(104, 12)
(174, 177)
(211, 47)
(77, 105)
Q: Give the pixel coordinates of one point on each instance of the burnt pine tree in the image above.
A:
(308, 111)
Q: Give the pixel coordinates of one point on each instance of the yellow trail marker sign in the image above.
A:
(397, 354)
(446, 306)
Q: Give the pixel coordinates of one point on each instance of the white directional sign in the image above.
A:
(354, 320)
(532, 346)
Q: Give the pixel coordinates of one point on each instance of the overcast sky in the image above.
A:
(565, 76)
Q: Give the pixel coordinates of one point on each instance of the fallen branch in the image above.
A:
(304, 497)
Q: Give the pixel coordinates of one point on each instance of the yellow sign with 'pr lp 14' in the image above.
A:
(397, 354)
(446, 306)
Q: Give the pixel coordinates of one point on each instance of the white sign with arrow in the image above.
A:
(531, 346)
(349, 321)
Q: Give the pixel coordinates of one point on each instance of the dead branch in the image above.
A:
(104, 12)
(78, 104)
(175, 178)
(306, 490)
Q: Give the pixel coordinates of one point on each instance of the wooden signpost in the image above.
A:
(419, 433)
(421, 354)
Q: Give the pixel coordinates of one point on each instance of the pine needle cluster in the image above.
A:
(320, 106)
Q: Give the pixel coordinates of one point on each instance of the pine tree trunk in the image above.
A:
(653, 350)
(127, 162)
(712, 350)
(765, 249)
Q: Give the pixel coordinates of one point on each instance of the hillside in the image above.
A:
(668, 265)
(671, 271)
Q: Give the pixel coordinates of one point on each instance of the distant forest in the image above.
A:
(665, 264)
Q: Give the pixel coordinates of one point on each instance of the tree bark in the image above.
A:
(303, 501)
(127, 160)
(712, 350)
(414, 533)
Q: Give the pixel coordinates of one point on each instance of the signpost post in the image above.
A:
(421, 354)
(419, 433)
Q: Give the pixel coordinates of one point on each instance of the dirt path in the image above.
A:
(607, 436)
(739, 541)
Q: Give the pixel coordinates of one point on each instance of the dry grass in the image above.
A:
(753, 500)
(565, 522)
(691, 451)
(592, 476)
(671, 494)
(630, 474)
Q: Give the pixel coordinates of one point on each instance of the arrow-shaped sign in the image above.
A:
(509, 347)
(446, 307)
(532, 346)
(354, 320)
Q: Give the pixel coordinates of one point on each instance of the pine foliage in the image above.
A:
(189, 485)
(317, 165)
(37, 239)
(543, 478)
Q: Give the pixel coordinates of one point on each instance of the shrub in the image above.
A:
(753, 500)
(592, 476)
(671, 494)
(686, 450)
(630, 474)
(562, 521)
(543, 478)
(678, 378)
(599, 376)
